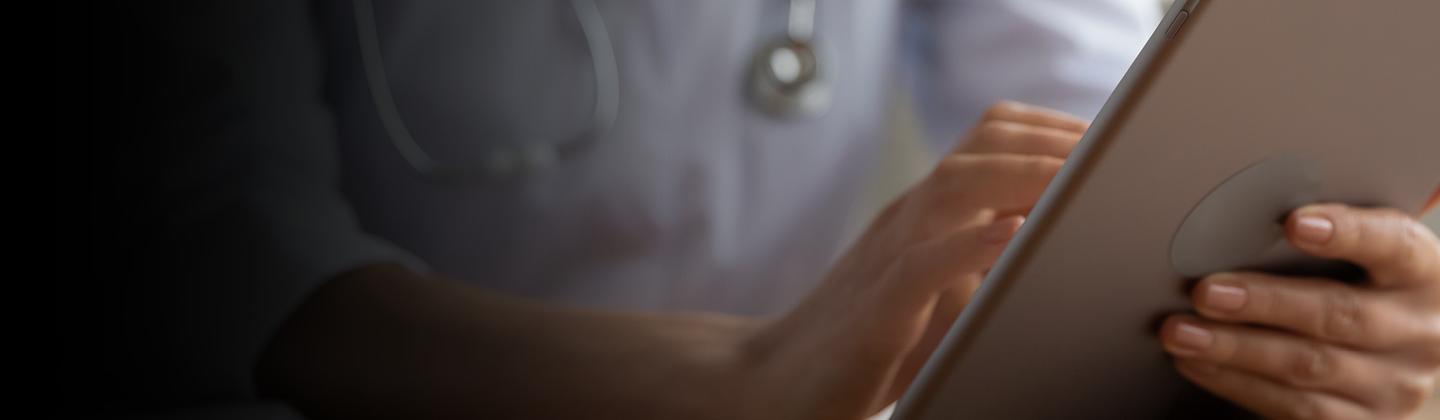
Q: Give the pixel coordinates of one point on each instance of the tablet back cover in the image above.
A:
(1064, 326)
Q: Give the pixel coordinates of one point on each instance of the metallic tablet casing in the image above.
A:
(1064, 326)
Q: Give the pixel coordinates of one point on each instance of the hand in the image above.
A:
(1301, 348)
(855, 344)
(384, 342)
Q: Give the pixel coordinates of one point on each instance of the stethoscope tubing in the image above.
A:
(811, 97)
(503, 162)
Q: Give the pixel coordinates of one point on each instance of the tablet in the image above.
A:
(1236, 112)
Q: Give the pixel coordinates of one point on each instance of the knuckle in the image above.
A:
(1406, 248)
(1393, 213)
(993, 133)
(990, 168)
(1000, 110)
(952, 165)
(1306, 406)
(996, 128)
(950, 169)
(1046, 164)
(1387, 236)
(1314, 363)
(954, 174)
(1345, 317)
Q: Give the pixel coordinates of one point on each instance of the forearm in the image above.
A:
(381, 341)
(384, 342)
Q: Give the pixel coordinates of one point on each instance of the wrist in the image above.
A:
(715, 375)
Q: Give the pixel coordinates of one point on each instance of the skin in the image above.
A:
(1305, 348)
(383, 342)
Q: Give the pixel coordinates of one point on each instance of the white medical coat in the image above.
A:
(694, 201)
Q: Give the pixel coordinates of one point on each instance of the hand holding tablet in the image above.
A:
(1221, 128)
(1305, 348)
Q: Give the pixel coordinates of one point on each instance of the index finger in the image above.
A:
(1392, 246)
(1035, 115)
(1005, 182)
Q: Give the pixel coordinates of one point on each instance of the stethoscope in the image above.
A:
(785, 81)
(785, 74)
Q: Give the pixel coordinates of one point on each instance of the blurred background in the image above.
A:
(906, 160)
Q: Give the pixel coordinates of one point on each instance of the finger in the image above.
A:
(1266, 397)
(1294, 361)
(1034, 115)
(1018, 138)
(1004, 182)
(1324, 309)
(909, 289)
(947, 309)
(926, 270)
(1392, 246)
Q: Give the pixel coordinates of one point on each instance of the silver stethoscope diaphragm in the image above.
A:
(787, 77)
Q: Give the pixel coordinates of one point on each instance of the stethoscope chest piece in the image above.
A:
(787, 80)
(787, 75)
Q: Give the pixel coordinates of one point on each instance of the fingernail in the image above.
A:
(1002, 230)
(1224, 297)
(1313, 229)
(1192, 337)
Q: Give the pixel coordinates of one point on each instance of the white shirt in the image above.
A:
(695, 201)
